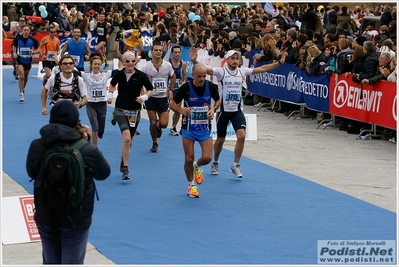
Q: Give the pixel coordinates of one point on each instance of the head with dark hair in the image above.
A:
(302, 38)
(155, 43)
(344, 9)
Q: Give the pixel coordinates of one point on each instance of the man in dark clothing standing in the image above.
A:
(310, 18)
(73, 226)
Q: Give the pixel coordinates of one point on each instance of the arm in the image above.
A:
(116, 50)
(193, 57)
(268, 67)
(64, 49)
(88, 52)
(183, 73)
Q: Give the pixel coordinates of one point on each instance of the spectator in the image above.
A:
(318, 40)
(329, 39)
(386, 17)
(244, 28)
(392, 77)
(392, 25)
(343, 56)
(342, 18)
(6, 24)
(309, 18)
(384, 31)
(12, 12)
(235, 42)
(220, 50)
(382, 71)
(315, 58)
(63, 22)
(329, 64)
(370, 62)
(331, 19)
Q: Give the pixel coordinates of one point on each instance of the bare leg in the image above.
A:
(239, 147)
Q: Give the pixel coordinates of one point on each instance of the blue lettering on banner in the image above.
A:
(291, 84)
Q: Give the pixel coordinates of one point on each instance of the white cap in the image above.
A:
(232, 52)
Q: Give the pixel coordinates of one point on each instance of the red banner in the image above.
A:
(375, 104)
(28, 211)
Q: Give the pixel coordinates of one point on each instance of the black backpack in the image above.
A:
(61, 181)
(55, 93)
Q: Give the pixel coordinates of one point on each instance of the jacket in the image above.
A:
(370, 64)
(95, 167)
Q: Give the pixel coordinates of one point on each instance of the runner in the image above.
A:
(179, 67)
(230, 79)
(102, 27)
(23, 48)
(159, 72)
(78, 48)
(128, 104)
(96, 107)
(50, 46)
(196, 123)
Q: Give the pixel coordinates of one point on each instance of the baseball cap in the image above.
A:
(232, 52)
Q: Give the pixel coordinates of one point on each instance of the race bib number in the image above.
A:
(199, 115)
(131, 116)
(50, 55)
(100, 31)
(159, 85)
(177, 84)
(76, 59)
(233, 97)
(25, 52)
(98, 92)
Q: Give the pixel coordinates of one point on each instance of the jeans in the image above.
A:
(72, 249)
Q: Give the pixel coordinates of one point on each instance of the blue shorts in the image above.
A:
(196, 136)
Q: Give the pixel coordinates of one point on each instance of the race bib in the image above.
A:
(100, 31)
(159, 84)
(233, 97)
(177, 84)
(50, 55)
(98, 93)
(25, 52)
(131, 116)
(199, 115)
(76, 59)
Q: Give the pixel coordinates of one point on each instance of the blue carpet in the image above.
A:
(269, 217)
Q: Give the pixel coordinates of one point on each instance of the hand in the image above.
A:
(76, 103)
(283, 57)
(109, 100)
(322, 63)
(44, 111)
(211, 113)
(365, 81)
(185, 111)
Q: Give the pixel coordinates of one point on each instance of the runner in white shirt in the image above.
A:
(230, 79)
(159, 72)
(96, 84)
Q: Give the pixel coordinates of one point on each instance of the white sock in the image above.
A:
(216, 161)
(191, 183)
(196, 165)
(236, 163)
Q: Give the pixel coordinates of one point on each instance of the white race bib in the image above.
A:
(199, 115)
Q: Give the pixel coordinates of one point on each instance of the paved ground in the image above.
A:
(365, 169)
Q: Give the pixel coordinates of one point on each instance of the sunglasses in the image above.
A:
(68, 63)
(22, 20)
(52, 31)
(130, 61)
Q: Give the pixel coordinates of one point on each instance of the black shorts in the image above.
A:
(157, 104)
(236, 118)
(26, 66)
(49, 64)
(96, 112)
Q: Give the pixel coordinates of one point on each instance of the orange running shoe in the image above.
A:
(197, 174)
(193, 191)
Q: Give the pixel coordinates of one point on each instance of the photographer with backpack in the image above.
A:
(63, 165)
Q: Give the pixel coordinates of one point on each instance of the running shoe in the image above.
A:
(198, 175)
(159, 131)
(136, 133)
(154, 147)
(173, 132)
(113, 119)
(15, 74)
(17, 77)
(21, 97)
(236, 170)
(125, 174)
(193, 191)
(214, 168)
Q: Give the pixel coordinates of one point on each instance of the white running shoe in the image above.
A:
(236, 170)
(214, 168)
(21, 97)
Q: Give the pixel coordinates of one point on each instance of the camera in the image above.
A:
(349, 57)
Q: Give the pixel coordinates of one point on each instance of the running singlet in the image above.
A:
(77, 51)
(178, 73)
(49, 47)
(198, 119)
(96, 85)
(159, 79)
(102, 31)
(24, 48)
(230, 87)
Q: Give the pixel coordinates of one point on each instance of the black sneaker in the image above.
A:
(154, 147)
(125, 174)
(113, 119)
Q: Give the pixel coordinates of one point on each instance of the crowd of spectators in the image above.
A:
(320, 39)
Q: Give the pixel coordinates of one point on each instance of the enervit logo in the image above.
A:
(340, 94)
(290, 80)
